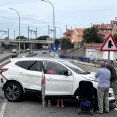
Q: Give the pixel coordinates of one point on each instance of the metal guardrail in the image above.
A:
(95, 62)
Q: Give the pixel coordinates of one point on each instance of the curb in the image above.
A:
(10, 56)
(5, 58)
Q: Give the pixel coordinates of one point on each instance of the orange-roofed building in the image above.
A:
(76, 35)
(104, 29)
(68, 34)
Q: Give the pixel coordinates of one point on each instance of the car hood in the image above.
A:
(90, 76)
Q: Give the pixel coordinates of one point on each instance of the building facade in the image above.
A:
(104, 29)
(75, 35)
(114, 26)
(107, 29)
(68, 34)
(93, 49)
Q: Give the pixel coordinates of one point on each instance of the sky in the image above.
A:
(39, 14)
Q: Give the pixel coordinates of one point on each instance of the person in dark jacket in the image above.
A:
(113, 80)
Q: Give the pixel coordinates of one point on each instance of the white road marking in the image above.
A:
(3, 109)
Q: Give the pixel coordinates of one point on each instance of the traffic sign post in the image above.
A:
(59, 47)
(109, 45)
(54, 49)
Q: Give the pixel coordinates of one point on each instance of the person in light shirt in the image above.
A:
(103, 77)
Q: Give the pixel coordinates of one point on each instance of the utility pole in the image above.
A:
(5, 32)
(66, 27)
(8, 33)
(28, 32)
(48, 30)
(36, 34)
(32, 32)
(14, 34)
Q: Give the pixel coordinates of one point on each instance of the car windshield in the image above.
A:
(73, 67)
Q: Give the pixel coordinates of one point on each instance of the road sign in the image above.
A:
(59, 45)
(109, 44)
(59, 48)
(54, 48)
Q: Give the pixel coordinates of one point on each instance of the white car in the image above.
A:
(25, 74)
(27, 50)
(14, 51)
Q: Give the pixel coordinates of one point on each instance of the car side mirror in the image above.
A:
(67, 72)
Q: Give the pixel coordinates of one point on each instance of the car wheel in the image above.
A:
(13, 92)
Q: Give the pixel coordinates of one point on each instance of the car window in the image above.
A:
(30, 65)
(73, 67)
(53, 68)
(37, 66)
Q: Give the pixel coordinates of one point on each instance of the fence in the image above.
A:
(88, 60)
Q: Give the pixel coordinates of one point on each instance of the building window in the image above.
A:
(74, 36)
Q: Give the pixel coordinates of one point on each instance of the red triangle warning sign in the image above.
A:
(109, 44)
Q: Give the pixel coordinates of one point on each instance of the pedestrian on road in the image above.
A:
(103, 76)
(58, 102)
(113, 80)
(43, 88)
(43, 92)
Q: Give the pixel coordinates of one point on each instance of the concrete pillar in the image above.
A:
(24, 46)
(49, 46)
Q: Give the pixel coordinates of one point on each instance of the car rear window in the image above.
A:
(30, 65)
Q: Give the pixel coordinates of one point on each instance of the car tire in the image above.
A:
(13, 92)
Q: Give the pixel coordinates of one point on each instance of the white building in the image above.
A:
(93, 50)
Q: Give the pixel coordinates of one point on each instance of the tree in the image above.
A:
(21, 37)
(43, 37)
(115, 37)
(6, 38)
(65, 43)
(91, 35)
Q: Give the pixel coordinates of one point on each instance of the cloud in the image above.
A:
(38, 14)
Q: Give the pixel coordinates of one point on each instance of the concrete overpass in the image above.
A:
(28, 41)
(32, 42)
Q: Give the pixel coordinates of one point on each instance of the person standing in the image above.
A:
(113, 80)
(43, 90)
(58, 101)
(43, 84)
(103, 76)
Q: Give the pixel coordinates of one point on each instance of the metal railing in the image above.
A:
(28, 41)
(95, 61)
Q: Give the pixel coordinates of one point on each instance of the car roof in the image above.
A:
(36, 58)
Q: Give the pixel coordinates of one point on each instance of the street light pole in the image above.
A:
(54, 35)
(19, 27)
(60, 35)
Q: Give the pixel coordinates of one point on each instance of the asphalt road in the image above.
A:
(31, 106)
